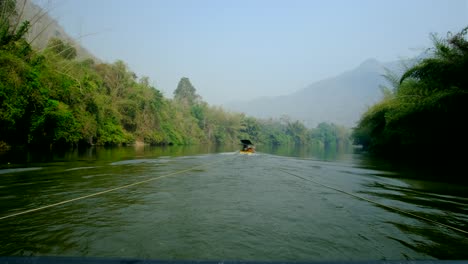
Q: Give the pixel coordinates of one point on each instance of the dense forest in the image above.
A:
(423, 114)
(48, 98)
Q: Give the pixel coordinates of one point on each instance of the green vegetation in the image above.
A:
(48, 98)
(425, 111)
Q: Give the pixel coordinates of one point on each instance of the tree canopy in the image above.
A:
(185, 93)
(426, 110)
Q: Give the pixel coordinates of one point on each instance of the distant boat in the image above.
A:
(247, 147)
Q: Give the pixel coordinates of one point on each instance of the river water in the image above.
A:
(201, 203)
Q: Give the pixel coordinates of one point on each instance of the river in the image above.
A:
(202, 203)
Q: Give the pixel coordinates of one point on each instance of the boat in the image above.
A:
(247, 147)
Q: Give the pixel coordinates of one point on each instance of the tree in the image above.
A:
(297, 132)
(61, 48)
(186, 93)
(250, 129)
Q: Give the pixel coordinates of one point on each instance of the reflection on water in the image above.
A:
(21, 157)
(311, 152)
(445, 209)
(217, 204)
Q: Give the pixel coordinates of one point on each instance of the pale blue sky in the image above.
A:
(241, 49)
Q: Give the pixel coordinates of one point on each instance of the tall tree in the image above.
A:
(186, 93)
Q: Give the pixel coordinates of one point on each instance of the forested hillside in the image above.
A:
(51, 98)
(423, 113)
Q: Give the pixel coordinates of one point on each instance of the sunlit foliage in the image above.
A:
(48, 98)
(426, 110)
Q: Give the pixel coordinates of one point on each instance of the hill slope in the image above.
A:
(340, 99)
(44, 27)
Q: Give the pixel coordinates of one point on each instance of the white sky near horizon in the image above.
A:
(238, 50)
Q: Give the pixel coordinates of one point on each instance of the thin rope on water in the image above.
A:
(109, 190)
(377, 203)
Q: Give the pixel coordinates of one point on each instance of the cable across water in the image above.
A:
(108, 191)
(376, 203)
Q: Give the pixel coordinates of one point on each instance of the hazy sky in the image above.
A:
(242, 49)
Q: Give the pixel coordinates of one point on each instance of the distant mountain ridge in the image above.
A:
(341, 99)
(43, 27)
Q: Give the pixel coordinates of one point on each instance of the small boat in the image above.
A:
(247, 147)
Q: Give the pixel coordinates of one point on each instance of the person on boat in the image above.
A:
(247, 146)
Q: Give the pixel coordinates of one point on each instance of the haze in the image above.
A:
(238, 50)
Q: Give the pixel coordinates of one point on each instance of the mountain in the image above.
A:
(340, 99)
(43, 27)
